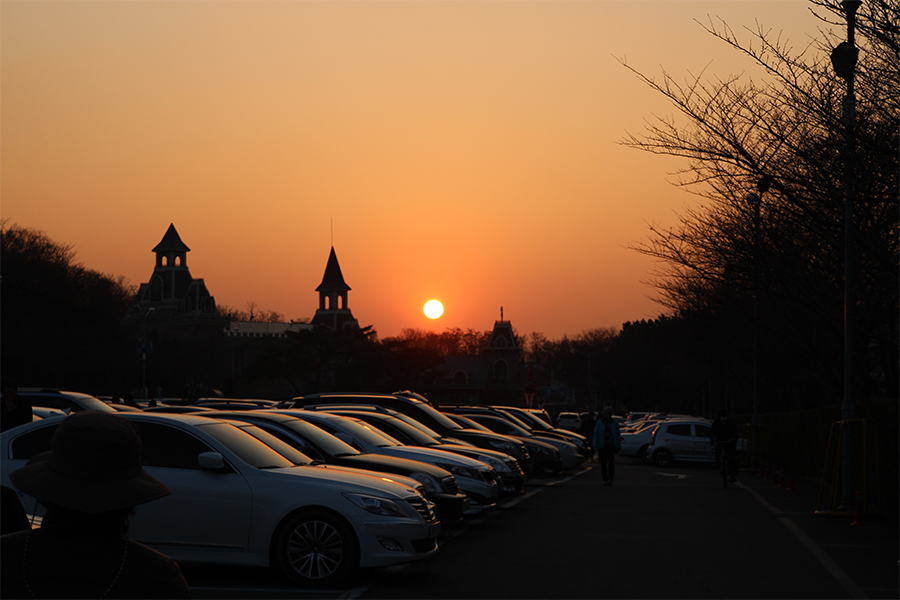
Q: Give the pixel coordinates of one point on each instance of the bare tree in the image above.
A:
(786, 131)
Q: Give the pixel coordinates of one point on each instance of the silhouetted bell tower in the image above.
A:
(333, 311)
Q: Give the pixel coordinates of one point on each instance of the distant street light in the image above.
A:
(590, 357)
(145, 348)
(843, 59)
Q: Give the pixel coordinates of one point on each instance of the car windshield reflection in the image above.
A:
(248, 448)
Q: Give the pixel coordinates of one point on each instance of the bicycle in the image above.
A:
(725, 460)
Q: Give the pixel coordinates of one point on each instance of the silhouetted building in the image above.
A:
(172, 291)
(496, 375)
(333, 311)
(179, 331)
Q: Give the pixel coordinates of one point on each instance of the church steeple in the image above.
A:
(333, 311)
(171, 252)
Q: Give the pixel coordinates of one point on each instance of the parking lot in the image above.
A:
(656, 533)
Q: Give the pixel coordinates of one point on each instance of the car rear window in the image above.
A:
(34, 442)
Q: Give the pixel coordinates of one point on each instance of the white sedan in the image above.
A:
(237, 501)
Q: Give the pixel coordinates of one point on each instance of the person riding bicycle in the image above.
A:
(724, 435)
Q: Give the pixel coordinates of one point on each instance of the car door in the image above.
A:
(680, 440)
(207, 509)
(703, 450)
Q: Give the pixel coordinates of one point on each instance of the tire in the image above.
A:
(662, 458)
(642, 453)
(317, 548)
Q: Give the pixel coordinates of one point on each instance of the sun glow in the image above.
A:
(433, 309)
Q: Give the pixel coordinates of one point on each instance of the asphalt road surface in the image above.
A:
(656, 533)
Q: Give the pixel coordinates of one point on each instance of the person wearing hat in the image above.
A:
(90, 481)
(607, 441)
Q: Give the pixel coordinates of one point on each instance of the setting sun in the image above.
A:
(433, 309)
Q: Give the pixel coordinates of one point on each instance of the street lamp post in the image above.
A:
(590, 358)
(755, 200)
(145, 346)
(843, 59)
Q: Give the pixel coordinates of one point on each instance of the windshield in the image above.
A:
(90, 403)
(515, 420)
(286, 450)
(470, 424)
(434, 435)
(367, 433)
(248, 448)
(513, 428)
(439, 417)
(531, 420)
(418, 437)
(321, 439)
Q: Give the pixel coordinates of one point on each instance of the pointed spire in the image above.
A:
(171, 242)
(333, 280)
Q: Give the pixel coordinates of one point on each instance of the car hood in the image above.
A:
(395, 477)
(343, 480)
(474, 434)
(432, 456)
(472, 451)
(390, 464)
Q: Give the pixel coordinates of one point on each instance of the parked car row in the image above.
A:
(319, 486)
(662, 439)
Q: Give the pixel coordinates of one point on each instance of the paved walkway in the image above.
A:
(656, 533)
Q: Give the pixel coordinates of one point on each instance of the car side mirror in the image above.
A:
(212, 461)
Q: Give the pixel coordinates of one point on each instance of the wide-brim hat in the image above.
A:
(93, 466)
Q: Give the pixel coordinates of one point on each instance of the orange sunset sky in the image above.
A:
(464, 151)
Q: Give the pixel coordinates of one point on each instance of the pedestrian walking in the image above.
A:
(724, 436)
(607, 441)
(90, 481)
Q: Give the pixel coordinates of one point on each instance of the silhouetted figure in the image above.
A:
(14, 410)
(724, 434)
(608, 441)
(89, 481)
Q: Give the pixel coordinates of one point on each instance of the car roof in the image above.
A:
(278, 416)
(187, 418)
(367, 408)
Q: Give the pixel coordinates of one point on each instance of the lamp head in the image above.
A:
(843, 59)
(851, 6)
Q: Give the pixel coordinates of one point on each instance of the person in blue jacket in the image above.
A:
(607, 441)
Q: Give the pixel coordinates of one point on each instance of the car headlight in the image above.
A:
(376, 505)
(502, 446)
(431, 484)
(498, 465)
(459, 471)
